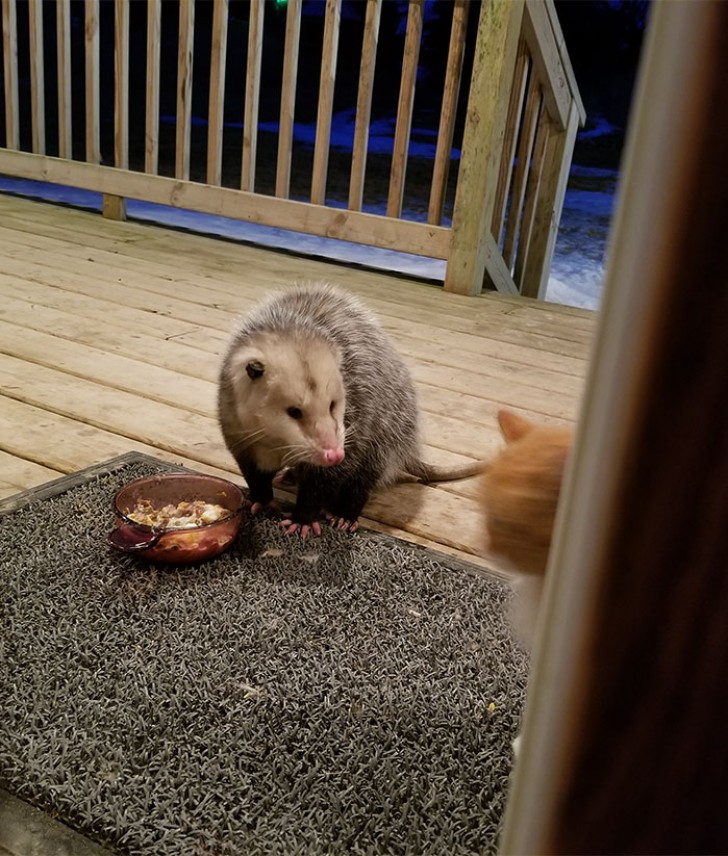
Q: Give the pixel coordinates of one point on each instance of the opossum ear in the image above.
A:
(255, 369)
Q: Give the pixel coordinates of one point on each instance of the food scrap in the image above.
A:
(184, 515)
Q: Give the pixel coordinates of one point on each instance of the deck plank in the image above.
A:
(17, 473)
(112, 333)
(215, 308)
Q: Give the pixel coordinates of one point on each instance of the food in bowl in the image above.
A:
(184, 515)
(177, 517)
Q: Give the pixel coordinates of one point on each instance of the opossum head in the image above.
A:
(290, 400)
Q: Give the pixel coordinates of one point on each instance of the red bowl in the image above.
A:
(180, 546)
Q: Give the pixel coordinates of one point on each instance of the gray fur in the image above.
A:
(381, 417)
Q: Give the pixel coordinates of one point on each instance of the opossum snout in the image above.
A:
(333, 456)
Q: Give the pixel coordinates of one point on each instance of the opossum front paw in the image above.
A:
(302, 529)
(342, 523)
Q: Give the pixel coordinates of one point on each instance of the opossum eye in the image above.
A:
(254, 369)
(331, 409)
(295, 412)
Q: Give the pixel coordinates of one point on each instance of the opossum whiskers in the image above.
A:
(295, 454)
(242, 441)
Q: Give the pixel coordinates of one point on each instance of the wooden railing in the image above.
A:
(518, 121)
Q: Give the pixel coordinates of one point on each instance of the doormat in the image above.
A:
(345, 694)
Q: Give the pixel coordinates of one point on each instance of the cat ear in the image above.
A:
(513, 426)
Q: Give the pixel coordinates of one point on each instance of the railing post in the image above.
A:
(496, 49)
(113, 207)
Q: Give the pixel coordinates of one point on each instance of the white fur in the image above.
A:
(527, 590)
(262, 404)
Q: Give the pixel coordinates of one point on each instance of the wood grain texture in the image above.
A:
(495, 59)
(403, 126)
(375, 230)
(473, 257)
(448, 111)
(252, 94)
(63, 47)
(329, 56)
(550, 201)
(544, 50)
(151, 125)
(622, 749)
(37, 76)
(113, 207)
(658, 689)
(364, 103)
(513, 126)
(526, 137)
(111, 335)
(121, 85)
(545, 130)
(288, 98)
(10, 70)
(184, 88)
(216, 111)
(91, 72)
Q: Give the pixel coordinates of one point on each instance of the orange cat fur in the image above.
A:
(521, 491)
(520, 494)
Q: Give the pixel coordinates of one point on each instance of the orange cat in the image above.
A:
(520, 494)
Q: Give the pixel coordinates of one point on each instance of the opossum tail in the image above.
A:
(419, 471)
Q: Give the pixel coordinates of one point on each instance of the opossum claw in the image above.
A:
(303, 529)
(342, 523)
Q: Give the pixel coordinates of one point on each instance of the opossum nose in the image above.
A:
(330, 457)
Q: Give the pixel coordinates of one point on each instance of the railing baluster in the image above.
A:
(288, 98)
(515, 109)
(517, 62)
(121, 85)
(91, 48)
(216, 116)
(63, 43)
(184, 87)
(446, 129)
(550, 202)
(151, 134)
(252, 93)
(525, 149)
(326, 101)
(364, 104)
(37, 83)
(10, 69)
(412, 40)
(535, 177)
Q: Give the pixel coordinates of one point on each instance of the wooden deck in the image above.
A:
(111, 335)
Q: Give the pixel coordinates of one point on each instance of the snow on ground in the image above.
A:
(576, 273)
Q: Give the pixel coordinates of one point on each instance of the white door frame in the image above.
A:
(670, 107)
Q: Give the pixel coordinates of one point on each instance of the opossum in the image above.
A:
(311, 382)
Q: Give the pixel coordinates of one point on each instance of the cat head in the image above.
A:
(520, 491)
